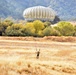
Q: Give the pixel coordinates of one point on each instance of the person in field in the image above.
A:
(38, 53)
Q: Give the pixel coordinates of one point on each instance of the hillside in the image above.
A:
(15, 8)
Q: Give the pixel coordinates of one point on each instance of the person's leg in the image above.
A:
(37, 56)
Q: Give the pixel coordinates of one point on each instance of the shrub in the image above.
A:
(65, 28)
(3, 26)
(47, 31)
(46, 24)
(38, 25)
(74, 31)
(40, 33)
(55, 32)
(14, 30)
(29, 29)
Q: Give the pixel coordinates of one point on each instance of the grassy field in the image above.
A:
(18, 56)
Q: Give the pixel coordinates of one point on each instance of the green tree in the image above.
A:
(65, 28)
(47, 31)
(46, 24)
(14, 30)
(29, 29)
(8, 22)
(40, 33)
(50, 31)
(54, 32)
(1, 29)
(74, 30)
(38, 25)
(3, 25)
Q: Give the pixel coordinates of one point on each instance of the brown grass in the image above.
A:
(46, 38)
(18, 56)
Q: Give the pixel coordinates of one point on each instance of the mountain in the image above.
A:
(65, 9)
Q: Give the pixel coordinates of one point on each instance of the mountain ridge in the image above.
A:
(65, 9)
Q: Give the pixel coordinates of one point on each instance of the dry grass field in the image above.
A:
(57, 56)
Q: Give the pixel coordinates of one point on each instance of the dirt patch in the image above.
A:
(46, 38)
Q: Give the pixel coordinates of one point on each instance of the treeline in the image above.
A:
(36, 28)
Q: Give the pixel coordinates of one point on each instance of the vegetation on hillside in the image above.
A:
(66, 10)
(36, 28)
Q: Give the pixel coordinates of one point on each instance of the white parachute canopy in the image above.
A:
(39, 12)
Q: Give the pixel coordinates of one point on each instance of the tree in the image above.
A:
(65, 28)
(38, 25)
(46, 24)
(1, 29)
(74, 30)
(29, 29)
(47, 31)
(14, 30)
(54, 32)
(3, 25)
(8, 22)
(50, 31)
(40, 33)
